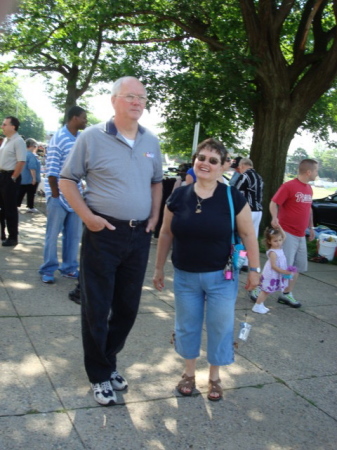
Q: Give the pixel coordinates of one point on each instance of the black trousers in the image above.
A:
(112, 270)
(30, 190)
(8, 202)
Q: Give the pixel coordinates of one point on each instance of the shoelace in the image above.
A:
(117, 376)
(105, 386)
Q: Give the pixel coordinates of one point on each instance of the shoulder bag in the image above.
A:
(238, 251)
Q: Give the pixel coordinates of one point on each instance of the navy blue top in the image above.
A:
(202, 242)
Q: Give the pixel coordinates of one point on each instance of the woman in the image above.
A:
(197, 221)
(30, 176)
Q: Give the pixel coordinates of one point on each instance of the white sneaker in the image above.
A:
(104, 393)
(118, 382)
(260, 308)
(32, 210)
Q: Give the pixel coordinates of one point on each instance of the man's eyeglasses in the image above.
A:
(211, 160)
(130, 98)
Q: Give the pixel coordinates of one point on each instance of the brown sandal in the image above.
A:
(214, 387)
(186, 386)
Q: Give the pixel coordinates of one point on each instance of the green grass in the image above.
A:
(320, 192)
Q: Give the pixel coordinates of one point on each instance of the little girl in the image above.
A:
(275, 271)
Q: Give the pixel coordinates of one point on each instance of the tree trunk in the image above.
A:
(71, 98)
(273, 133)
(285, 91)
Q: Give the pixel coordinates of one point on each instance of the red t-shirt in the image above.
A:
(294, 199)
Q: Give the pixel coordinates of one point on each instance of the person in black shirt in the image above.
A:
(197, 222)
(250, 184)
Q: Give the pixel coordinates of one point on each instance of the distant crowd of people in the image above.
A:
(120, 208)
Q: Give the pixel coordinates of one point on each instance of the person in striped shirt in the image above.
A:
(60, 216)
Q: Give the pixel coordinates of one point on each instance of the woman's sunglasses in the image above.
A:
(212, 160)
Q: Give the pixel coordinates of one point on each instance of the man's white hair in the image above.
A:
(246, 162)
(116, 87)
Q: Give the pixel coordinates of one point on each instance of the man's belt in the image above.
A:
(132, 223)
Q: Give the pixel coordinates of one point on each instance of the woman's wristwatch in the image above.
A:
(255, 269)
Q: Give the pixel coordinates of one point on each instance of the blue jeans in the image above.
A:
(193, 292)
(59, 219)
(113, 265)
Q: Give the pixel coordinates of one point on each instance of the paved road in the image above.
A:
(279, 394)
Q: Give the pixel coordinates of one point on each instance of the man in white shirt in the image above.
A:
(13, 153)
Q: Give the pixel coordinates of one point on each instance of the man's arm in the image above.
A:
(311, 226)
(157, 194)
(246, 231)
(72, 194)
(18, 169)
(273, 208)
(55, 193)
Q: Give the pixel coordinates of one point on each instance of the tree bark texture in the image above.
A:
(286, 90)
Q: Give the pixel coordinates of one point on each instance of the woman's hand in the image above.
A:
(158, 279)
(253, 281)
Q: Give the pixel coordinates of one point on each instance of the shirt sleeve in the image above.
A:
(241, 182)
(53, 161)
(29, 161)
(238, 199)
(158, 168)
(171, 202)
(74, 167)
(281, 195)
(20, 150)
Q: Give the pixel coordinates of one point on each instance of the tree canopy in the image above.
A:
(267, 64)
(12, 103)
(72, 44)
(327, 159)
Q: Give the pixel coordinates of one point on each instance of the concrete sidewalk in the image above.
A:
(279, 394)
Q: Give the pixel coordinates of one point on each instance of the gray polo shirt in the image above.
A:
(13, 149)
(118, 177)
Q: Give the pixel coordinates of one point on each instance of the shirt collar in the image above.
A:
(13, 136)
(110, 128)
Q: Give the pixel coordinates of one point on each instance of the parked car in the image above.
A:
(325, 211)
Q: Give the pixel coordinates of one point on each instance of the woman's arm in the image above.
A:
(163, 247)
(33, 174)
(246, 231)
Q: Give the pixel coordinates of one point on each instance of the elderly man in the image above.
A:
(121, 163)
(13, 155)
